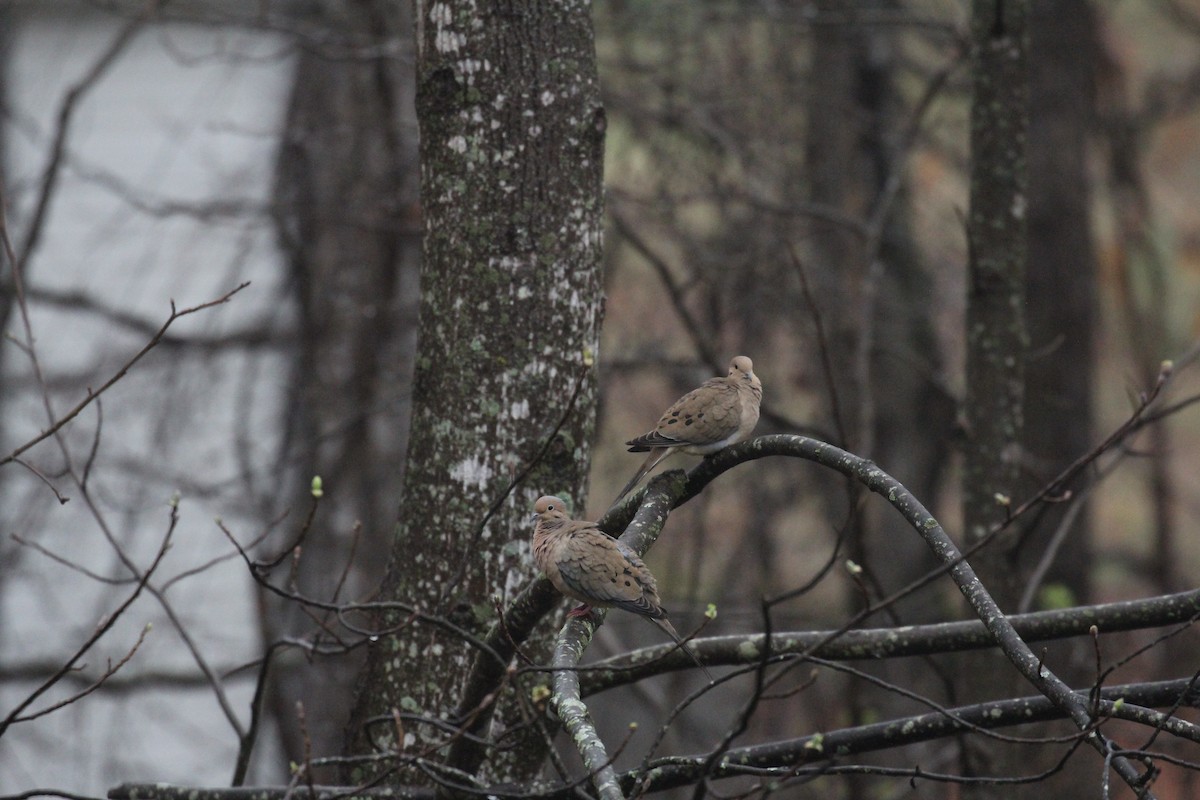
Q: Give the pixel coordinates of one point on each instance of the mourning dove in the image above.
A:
(720, 412)
(586, 564)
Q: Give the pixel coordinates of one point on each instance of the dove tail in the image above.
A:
(669, 629)
(656, 455)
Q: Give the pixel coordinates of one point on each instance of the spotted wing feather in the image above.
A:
(604, 572)
(708, 414)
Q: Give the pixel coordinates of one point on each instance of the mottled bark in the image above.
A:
(996, 337)
(1061, 287)
(346, 192)
(512, 134)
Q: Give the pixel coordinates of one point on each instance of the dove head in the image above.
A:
(549, 507)
(742, 368)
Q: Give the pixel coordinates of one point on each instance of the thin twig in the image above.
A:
(96, 684)
(58, 423)
(104, 627)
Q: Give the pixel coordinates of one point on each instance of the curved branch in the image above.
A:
(943, 549)
(539, 599)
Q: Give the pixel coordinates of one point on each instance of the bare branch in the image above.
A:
(1129, 702)
(108, 673)
(58, 423)
(878, 643)
(66, 114)
(790, 758)
(104, 627)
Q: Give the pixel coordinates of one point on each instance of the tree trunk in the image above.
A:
(346, 191)
(875, 295)
(874, 292)
(1061, 290)
(841, 175)
(996, 338)
(512, 134)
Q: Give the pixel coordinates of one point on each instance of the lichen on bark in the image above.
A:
(996, 338)
(512, 134)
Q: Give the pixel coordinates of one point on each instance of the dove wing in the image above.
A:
(605, 572)
(703, 416)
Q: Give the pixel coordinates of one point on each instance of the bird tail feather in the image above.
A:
(669, 629)
(656, 455)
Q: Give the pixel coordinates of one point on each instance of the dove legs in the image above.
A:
(581, 610)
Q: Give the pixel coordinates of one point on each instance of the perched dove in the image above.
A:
(720, 412)
(586, 564)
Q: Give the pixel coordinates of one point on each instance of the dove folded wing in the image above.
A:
(600, 571)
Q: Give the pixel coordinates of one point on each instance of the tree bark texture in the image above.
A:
(996, 229)
(346, 193)
(996, 337)
(512, 133)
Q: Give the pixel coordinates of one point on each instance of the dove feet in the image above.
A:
(583, 610)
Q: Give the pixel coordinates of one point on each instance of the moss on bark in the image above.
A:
(512, 134)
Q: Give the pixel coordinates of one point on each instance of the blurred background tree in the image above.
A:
(348, 219)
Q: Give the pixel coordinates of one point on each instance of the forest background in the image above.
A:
(791, 181)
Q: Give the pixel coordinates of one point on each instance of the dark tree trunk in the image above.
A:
(1061, 289)
(512, 134)
(347, 193)
(841, 175)
(875, 295)
(873, 291)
